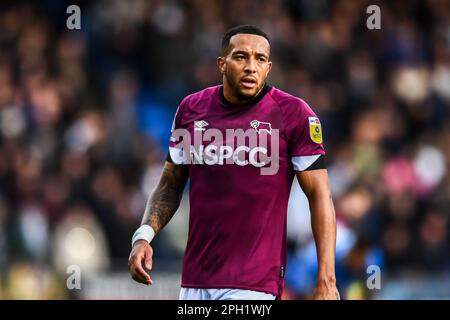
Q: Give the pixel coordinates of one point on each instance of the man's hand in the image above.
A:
(141, 251)
(326, 291)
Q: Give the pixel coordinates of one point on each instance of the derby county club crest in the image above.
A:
(260, 126)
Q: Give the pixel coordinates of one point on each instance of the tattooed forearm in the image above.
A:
(166, 198)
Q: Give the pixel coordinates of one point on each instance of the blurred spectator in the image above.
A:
(79, 240)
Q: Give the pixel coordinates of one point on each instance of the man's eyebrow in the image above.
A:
(246, 53)
(240, 52)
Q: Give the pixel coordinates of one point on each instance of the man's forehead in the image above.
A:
(249, 42)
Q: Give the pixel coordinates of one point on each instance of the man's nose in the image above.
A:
(250, 66)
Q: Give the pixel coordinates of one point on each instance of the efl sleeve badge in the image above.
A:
(315, 130)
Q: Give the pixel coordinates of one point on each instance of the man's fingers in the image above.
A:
(137, 263)
(139, 277)
(148, 261)
(136, 277)
(139, 260)
(338, 296)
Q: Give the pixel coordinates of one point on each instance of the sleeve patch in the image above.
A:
(315, 130)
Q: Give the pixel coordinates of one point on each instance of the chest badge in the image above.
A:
(260, 126)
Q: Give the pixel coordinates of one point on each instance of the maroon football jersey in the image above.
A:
(242, 161)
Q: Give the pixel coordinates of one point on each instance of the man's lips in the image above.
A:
(249, 82)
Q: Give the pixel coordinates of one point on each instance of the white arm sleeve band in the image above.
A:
(144, 232)
(303, 162)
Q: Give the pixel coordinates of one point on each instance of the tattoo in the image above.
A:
(166, 198)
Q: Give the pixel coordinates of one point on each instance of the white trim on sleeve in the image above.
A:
(302, 163)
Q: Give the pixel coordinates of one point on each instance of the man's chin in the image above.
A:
(248, 93)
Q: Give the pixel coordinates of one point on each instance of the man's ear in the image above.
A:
(221, 64)
(270, 68)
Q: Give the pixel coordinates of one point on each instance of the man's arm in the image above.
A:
(315, 185)
(161, 206)
(166, 198)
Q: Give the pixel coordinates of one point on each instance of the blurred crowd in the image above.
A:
(85, 117)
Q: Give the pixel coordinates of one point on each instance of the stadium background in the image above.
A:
(85, 119)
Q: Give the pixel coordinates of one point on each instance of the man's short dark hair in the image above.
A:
(246, 29)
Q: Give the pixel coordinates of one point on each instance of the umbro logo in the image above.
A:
(200, 125)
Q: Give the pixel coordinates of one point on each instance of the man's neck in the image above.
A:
(229, 98)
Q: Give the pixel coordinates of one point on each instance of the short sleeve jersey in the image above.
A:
(237, 219)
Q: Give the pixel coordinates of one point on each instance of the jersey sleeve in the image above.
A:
(176, 152)
(304, 133)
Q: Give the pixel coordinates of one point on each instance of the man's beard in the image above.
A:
(239, 94)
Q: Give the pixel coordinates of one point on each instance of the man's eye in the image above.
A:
(240, 57)
(262, 59)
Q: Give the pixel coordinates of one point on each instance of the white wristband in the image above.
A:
(144, 232)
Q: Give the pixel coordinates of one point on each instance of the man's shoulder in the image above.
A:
(287, 102)
(200, 96)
